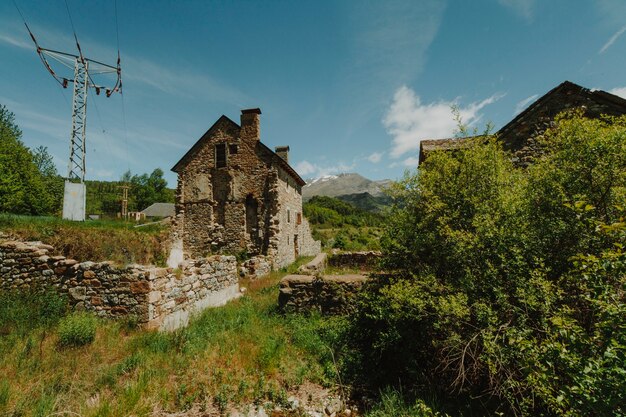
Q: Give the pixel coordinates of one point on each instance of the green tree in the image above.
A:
(22, 189)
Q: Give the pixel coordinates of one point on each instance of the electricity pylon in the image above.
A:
(74, 196)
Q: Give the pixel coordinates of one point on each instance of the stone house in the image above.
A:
(520, 134)
(235, 194)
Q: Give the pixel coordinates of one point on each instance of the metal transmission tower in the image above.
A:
(74, 196)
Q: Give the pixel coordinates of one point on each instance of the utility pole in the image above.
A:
(74, 195)
(124, 200)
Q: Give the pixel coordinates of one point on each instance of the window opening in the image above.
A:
(220, 155)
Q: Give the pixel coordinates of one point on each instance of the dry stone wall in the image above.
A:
(161, 298)
(363, 259)
(330, 294)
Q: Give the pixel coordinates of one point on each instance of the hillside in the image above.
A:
(342, 184)
(352, 188)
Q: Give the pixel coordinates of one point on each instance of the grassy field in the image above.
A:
(243, 353)
(92, 240)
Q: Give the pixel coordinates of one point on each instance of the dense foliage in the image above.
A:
(23, 188)
(341, 225)
(509, 285)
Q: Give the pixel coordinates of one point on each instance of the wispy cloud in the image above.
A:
(309, 169)
(409, 121)
(13, 41)
(524, 103)
(523, 8)
(375, 157)
(135, 69)
(612, 40)
(619, 91)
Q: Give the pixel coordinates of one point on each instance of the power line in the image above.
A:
(75, 192)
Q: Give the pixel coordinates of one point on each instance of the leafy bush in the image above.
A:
(508, 285)
(77, 330)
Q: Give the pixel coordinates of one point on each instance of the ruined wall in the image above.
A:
(362, 259)
(158, 297)
(331, 294)
(176, 295)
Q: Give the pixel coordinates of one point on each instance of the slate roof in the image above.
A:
(575, 96)
(160, 210)
(431, 145)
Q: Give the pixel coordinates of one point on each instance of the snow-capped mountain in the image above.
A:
(342, 184)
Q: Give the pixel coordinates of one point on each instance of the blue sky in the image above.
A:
(351, 86)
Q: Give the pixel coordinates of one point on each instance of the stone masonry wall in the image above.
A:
(363, 259)
(159, 297)
(330, 294)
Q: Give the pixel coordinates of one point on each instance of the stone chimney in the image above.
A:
(283, 152)
(250, 124)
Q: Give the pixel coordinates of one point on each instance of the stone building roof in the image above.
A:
(514, 134)
(160, 210)
(260, 147)
(431, 145)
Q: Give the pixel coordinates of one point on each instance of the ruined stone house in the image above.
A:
(520, 135)
(235, 194)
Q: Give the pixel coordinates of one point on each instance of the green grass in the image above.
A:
(245, 352)
(93, 240)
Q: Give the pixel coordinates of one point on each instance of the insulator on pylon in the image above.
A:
(64, 82)
(97, 91)
(108, 93)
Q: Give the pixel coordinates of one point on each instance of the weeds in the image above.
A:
(242, 353)
(77, 330)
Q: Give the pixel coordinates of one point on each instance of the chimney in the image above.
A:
(283, 152)
(250, 124)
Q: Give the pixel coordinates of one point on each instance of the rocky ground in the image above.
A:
(309, 400)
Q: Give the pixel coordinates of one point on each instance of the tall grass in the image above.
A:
(243, 353)
(92, 240)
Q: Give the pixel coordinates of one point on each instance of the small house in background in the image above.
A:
(159, 210)
(520, 135)
(136, 216)
(236, 195)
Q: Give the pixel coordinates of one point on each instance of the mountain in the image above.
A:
(351, 188)
(342, 184)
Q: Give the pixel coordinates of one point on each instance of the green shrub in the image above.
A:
(507, 290)
(77, 330)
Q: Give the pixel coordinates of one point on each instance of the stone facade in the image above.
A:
(234, 194)
(521, 135)
(160, 298)
(330, 294)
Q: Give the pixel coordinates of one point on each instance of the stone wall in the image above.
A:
(175, 295)
(256, 267)
(330, 294)
(158, 297)
(363, 259)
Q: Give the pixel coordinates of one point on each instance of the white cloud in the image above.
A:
(411, 162)
(5, 38)
(612, 40)
(524, 103)
(619, 91)
(409, 121)
(135, 69)
(523, 8)
(375, 157)
(306, 168)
